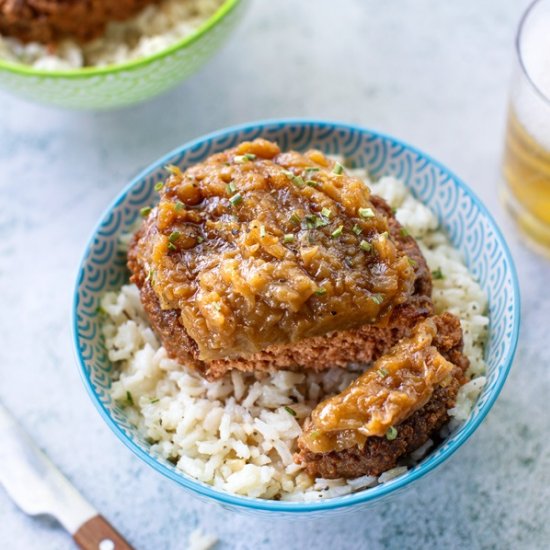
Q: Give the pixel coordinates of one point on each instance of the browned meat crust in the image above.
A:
(48, 21)
(340, 348)
(380, 454)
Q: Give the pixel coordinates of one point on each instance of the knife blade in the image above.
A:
(38, 487)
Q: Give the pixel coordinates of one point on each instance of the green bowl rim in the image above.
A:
(211, 22)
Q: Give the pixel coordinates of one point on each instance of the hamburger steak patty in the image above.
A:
(359, 344)
(48, 21)
(380, 454)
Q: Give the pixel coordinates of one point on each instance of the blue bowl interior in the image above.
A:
(466, 221)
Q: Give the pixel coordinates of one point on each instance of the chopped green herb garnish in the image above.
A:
(239, 159)
(262, 231)
(150, 275)
(172, 246)
(377, 298)
(312, 169)
(231, 188)
(174, 236)
(312, 183)
(288, 238)
(338, 231)
(394, 210)
(295, 218)
(438, 274)
(290, 411)
(326, 212)
(320, 291)
(236, 199)
(366, 213)
(338, 169)
(366, 246)
(404, 232)
(383, 372)
(100, 311)
(155, 400)
(391, 434)
(179, 206)
(145, 211)
(411, 261)
(129, 398)
(200, 239)
(384, 235)
(357, 230)
(159, 185)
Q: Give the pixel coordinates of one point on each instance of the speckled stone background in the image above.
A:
(433, 73)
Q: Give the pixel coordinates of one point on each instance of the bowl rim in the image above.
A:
(26, 70)
(291, 507)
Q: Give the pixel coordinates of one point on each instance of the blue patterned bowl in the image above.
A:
(467, 222)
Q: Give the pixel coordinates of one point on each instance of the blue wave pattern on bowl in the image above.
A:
(469, 226)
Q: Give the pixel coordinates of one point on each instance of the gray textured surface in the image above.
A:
(433, 73)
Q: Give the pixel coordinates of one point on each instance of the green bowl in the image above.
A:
(127, 83)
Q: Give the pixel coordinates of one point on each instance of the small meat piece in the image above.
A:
(258, 259)
(378, 453)
(48, 21)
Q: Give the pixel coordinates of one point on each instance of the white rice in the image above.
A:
(239, 433)
(154, 29)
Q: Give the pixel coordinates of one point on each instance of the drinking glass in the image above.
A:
(526, 162)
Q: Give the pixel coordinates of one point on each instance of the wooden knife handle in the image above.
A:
(98, 534)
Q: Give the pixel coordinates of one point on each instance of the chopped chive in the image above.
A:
(338, 231)
(172, 246)
(262, 231)
(236, 199)
(382, 372)
(200, 239)
(174, 236)
(391, 434)
(357, 230)
(312, 183)
(288, 238)
(159, 185)
(129, 398)
(411, 261)
(239, 159)
(295, 218)
(231, 188)
(150, 275)
(312, 169)
(155, 400)
(310, 221)
(145, 211)
(366, 246)
(377, 298)
(384, 235)
(366, 213)
(179, 206)
(290, 411)
(338, 169)
(404, 232)
(394, 210)
(326, 212)
(320, 291)
(438, 274)
(298, 181)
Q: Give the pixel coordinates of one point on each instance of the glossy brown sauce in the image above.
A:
(397, 385)
(256, 247)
